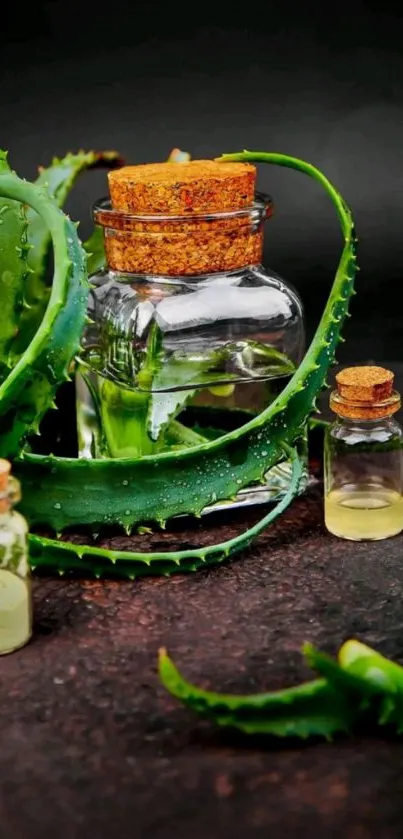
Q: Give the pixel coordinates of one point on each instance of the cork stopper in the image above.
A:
(182, 187)
(182, 217)
(5, 470)
(365, 393)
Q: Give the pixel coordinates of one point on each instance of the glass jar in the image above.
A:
(363, 457)
(15, 585)
(190, 336)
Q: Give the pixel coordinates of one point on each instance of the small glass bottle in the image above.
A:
(15, 584)
(363, 471)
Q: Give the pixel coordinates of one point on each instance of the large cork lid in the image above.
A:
(181, 188)
(364, 393)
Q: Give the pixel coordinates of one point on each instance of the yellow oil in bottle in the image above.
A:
(15, 611)
(364, 513)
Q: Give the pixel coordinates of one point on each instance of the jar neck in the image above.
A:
(183, 246)
(162, 280)
(365, 423)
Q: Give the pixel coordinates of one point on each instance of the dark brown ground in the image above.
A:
(93, 747)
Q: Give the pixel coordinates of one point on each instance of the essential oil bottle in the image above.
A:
(15, 588)
(363, 469)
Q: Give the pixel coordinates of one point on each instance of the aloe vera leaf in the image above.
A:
(374, 681)
(206, 432)
(315, 423)
(166, 405)
(124, 421)
(361, 682)
(94, 247)
(28, 391)
(59, 179)
(339, 677)
(66, 555)
(311, 709)
(178, 433)
(378, 673)
(14, 270)
(172, 379)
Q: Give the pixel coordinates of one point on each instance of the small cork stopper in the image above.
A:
(365, 384)
(182, 187)
(365, 392)
(5, 469)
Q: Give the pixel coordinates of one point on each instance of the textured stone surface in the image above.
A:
(92, 745)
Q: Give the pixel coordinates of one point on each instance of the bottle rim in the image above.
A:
(354, 409)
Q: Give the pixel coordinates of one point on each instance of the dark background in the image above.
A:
(323, 85)
(90, 745)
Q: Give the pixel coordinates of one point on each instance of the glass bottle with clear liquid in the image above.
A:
(174, 355)
(363, 457)
(15, 579)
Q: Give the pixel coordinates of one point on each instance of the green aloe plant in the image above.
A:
(41, 325)
(360, 686)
